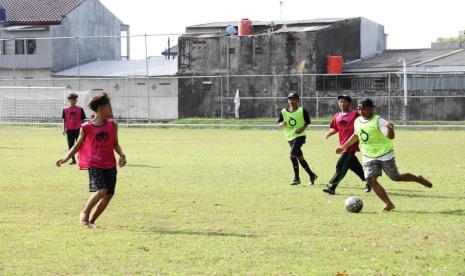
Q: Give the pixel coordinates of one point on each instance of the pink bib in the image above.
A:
(97, 151)
(73, 117)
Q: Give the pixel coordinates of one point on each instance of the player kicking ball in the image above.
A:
(375, 136)
(294, 121)
(343, 124)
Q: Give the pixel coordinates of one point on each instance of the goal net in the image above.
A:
(34, 105)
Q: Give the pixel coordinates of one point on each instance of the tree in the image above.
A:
(460, 38)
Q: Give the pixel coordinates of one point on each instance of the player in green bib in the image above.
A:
(375, 136)
(294, 121)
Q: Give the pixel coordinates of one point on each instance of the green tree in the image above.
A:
(459, 38)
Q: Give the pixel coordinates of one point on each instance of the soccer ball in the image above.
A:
(354, 204)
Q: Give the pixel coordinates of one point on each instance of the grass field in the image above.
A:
(199, 201)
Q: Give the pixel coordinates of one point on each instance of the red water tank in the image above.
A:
(245, 27)
(334, 65)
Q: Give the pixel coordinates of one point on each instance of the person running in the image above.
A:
(98, 139)
(294, 121)
(73, 116)
(375, 135)
(343, 124)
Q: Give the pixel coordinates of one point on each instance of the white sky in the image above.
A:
(408, 23)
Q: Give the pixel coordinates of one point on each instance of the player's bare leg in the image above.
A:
(101, 206)
(91, 202)
(381, 193)
(408, 177)
(84, 218)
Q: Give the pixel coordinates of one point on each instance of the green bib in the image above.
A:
(294, 120)
(373, 143)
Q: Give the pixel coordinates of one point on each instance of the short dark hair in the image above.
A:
(73, 96)
(346, 97)
(366, 103)
(293, 95)
(98, 101)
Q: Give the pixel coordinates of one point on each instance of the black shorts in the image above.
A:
(296, 144)
(102, 179)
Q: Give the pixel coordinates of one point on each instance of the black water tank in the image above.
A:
(2, 14)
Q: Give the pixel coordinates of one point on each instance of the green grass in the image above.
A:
(203, 201)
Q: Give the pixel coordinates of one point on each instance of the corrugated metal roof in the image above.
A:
(301, 29)
(266, 23)
(38, 11)
(157, 66)
(418, 60)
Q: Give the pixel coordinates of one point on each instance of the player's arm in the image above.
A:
(281, 121)
(64, 122)
(331, 132)
(83, 115)
(353, 139)
(74, 149)
(306, 120)
(386, 128)
(390, 130)
(118, 149)
(332, 128)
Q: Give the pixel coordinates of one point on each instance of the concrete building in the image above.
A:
(76, 46)
(57, 34)
(435, 82)
(281, 48)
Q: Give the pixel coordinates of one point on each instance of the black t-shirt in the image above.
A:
(306, 116)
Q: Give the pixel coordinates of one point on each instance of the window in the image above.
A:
(19, 47)
(232, 51)
(8, 47)
(258, 50)
(207, 85)
(31, 46)
(293, 86)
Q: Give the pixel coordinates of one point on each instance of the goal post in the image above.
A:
(34, 105)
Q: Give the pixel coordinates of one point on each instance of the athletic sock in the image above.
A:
(295, 165)
(306, 167)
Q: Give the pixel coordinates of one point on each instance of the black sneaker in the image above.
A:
(296, 181)
(329, 191)
(367, 188)
(313, 177)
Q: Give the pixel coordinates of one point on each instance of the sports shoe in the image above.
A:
(296, 181)
(367, 188)
(313, 177)
(329, 191)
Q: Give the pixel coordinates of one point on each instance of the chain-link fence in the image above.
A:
(145, 85)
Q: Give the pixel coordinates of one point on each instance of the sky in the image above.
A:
(408, 23)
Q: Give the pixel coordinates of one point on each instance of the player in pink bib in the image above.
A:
(97, 142)
(343, 124)
(73, 116)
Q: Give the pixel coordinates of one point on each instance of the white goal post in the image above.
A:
(34, 105)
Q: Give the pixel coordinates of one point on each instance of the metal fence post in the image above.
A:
(302, 88)
(127, 101)
(389, 96)
(221, 97)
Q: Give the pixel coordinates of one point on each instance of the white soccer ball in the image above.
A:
(354, 204)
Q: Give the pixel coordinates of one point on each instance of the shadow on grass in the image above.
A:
(425, 195)
(193, 233)
(10, 148)
(419, 190)
(143, 166)
(404, 193)
(456, 212)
